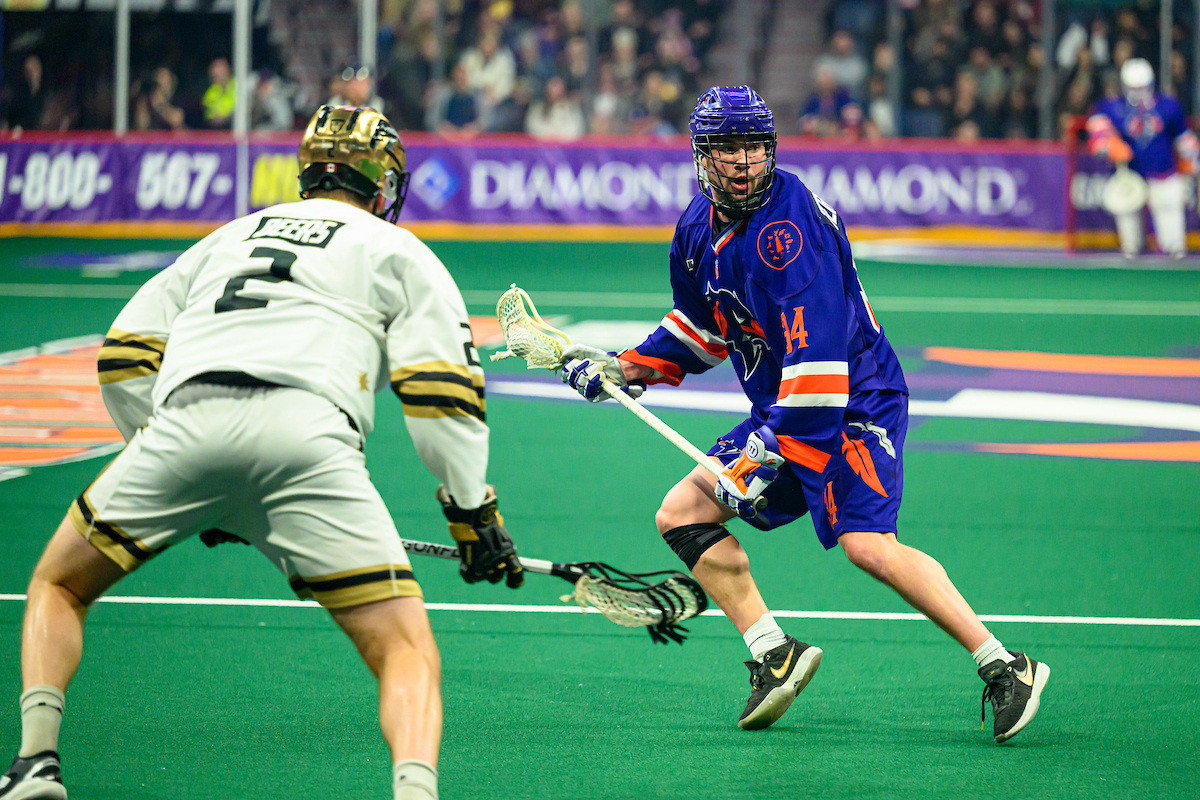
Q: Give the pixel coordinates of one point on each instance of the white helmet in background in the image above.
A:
(1137, 79)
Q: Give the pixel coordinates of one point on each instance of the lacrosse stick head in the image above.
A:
(634, 601)
(526, 334)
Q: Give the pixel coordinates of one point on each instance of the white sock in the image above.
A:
(41, 715)
(990, 650)
(414, 780)
(763, 636)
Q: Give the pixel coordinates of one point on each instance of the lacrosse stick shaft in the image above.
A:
(639, 411)
(448, 553)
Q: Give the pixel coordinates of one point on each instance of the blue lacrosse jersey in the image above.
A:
(1150, 130)
(777, 294)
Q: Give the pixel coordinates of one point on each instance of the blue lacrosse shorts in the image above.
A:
(862, 483)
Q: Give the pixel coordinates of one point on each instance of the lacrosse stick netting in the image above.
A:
(633, 602)
(526, 334)
(530, 337)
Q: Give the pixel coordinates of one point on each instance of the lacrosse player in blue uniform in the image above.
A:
(762, 274)
(1148, 132)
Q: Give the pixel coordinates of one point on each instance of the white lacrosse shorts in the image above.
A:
(278, 467)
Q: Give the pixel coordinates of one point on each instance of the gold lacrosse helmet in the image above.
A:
(358, 150)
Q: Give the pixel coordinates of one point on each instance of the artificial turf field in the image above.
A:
(250, 702)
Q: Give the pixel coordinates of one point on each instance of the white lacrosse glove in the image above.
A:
(742, 483)
(586, 366)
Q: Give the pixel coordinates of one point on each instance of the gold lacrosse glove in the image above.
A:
(484, 548)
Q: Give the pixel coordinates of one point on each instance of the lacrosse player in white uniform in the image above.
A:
(1148, 132)
(244, 378)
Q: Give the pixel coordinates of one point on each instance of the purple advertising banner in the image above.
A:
(179, 181)
(60, 182)
(519, 181)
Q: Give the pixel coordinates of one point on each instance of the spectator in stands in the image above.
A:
(1020, 117)
(153, 109)
(674, 57)
(830, 110)
(533, 67)
(843, 61)
(989, 78)
(623, 16)
(610, 110)
(409, 77)
(625, 58)
(454, 108)
(983, 28)
(659, 105)
(357, 88)
(701, 20)
(270, 106)
(221, 96)
(555, 115)
(29, 97)
(577, 65)
(880, 111)
(1130, 27)
(491, 71)
(967, 108)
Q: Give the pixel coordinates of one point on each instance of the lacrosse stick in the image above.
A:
(627, 599)
(528, 336)
(1124, 192)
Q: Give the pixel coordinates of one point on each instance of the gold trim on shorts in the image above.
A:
(127, 552)
(356, 587)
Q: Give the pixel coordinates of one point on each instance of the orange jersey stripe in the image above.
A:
(800, 453)
(712, 349)
(815, 384)
(671, 373)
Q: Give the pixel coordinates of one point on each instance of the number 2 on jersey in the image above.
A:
(281, 270)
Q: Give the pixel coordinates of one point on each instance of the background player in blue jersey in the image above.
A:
(1149, 133)
(761, 274)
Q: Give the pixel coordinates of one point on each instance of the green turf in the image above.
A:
(202, 703)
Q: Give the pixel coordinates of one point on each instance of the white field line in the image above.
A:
(569, 609)
(662, 301)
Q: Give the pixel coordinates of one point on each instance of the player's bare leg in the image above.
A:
(1014, 681)
(724, 569)
(394, 639)
(782, 666)
(69, 577)
(920, 580)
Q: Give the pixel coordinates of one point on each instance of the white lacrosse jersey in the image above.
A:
(322, 296)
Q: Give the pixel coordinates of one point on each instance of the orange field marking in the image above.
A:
(1066, 362)
(1121, 451)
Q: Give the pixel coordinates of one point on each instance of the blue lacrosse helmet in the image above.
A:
(728, 117)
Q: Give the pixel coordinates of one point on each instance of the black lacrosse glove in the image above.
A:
(215, 536)
(484, 547)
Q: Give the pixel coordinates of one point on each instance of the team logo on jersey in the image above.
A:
(779, 243)
(308, 232)
(738, 327)
(1144, 125)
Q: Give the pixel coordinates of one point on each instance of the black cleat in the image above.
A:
(776, 680)
(1015, 690)
(38, 777)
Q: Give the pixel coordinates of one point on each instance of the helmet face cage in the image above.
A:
(1137, 81)
(358, 150)
(736, 120)
(747, 146)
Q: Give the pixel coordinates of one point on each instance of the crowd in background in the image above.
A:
(972, 70)
(966, 68)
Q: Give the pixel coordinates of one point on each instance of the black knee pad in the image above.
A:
(690, 541)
